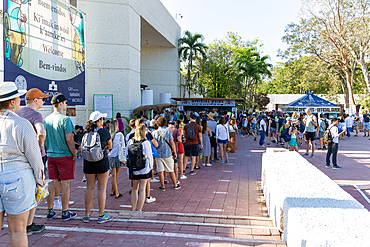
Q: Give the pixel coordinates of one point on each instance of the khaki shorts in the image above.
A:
(164, 164)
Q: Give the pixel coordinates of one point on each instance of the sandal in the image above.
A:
(113, 193)
(118, 196)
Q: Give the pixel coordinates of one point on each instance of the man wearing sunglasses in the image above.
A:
(35, 99)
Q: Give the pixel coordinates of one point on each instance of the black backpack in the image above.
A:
(327, 136)
(135, 157)
(324, 125)
(273, 123)
(190, 132)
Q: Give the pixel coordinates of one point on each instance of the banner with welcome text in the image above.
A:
(44, 47)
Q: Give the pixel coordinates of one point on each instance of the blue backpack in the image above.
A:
(285, 134)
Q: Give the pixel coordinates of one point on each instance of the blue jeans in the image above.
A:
(349, 130)
(262, 139)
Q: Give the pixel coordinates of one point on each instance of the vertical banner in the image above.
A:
(44, 47)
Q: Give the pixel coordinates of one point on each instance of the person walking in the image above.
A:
(356, 123)
(206, 134)
(21, 165)
(263, 130)
(254, 126)
(61, 152)
(333, 145)
(35, 99)
(193, 142)
(223, 137)
(323, 126)
(349, 124)
(115, 164)
(140, 178)
(121, 124)
(165, 159)
(310, 122)
(97, 170)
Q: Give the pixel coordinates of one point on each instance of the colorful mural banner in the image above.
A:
(44, 47)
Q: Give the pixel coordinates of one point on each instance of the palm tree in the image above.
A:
(252, 70)
(191, 46)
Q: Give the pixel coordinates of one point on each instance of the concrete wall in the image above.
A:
(308, 206)
(160, 70)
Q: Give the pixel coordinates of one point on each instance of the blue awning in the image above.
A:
(315, 103)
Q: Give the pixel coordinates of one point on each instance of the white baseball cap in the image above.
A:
(96, 115)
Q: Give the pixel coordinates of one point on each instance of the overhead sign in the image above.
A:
(314, 110)
(44, 47)
(207, 102)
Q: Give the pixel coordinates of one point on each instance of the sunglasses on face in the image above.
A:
(43, 99)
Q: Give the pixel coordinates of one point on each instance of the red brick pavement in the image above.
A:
(186, 211)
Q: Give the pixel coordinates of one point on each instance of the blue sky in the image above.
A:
(262, 19)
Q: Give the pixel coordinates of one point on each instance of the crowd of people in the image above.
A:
(170, 145)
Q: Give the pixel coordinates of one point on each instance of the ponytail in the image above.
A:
(90, 126)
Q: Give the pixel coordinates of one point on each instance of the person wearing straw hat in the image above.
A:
(61, 152)
(21, 166)
(35, 100)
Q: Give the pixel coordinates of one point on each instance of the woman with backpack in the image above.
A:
(139, 152)
(293, 132)
(114, 163)
(323, 125)
(223, 137)
(96, 170)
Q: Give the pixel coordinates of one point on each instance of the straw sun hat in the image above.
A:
(8, 90)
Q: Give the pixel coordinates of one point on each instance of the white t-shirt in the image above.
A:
(263, 125)
(245, 123)
(349, 122)
(118, 142)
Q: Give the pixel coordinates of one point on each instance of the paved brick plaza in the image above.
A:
(220, 206)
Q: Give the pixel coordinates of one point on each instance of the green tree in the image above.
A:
(190, 47)
(252, 70)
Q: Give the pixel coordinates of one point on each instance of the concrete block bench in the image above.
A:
(308, 206)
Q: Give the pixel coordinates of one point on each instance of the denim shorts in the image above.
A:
(222, 141)
(254, 126)
(17, 191)
(367, 126)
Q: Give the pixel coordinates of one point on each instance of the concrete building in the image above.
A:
(130, 45)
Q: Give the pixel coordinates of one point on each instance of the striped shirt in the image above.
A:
(18, 144)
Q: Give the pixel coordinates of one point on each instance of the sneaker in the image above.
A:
(268, 144)
(328, 166)
(209, 165)
(178, 181)
(243, 135)
(197, 168)
(68, 216)
(167, 181)
(33, 228)
(262, 146)
(84, 179)
(227, 161)
(221, 161)
(154, 180)
(57, 205)
(50, 215)
(150, 200)
(306, 154)
(320, 149)
(337, 167)
(86, 219)
(312, 156)
(217, 159)
(104, 218)
(183, 177)
(192, 173)
(203, 164)
(177, 187)
(255, 139)
(162, 188)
